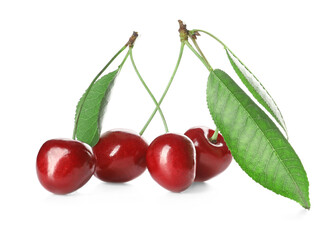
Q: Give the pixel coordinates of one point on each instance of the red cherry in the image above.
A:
(171, 161)
(212, 157)
(64, 166)
(120, 156)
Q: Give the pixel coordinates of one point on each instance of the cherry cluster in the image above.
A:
(174, 161)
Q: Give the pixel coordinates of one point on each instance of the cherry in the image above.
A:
(171, 161)
(64, 166)
(120, 156)
(212, 157)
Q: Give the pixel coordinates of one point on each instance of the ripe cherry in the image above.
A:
(64, 166)
(120, 156)
(212, 157)
(171, 161)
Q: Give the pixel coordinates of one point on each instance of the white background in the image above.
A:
(51, 50)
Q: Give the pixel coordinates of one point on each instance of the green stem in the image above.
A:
(166, 89)
(209, 34)
(215, 135)
(204, 60)
(199, 50)
(224, 45)
(123, 61)
(200, 57)
(91, 85)
(148, 90)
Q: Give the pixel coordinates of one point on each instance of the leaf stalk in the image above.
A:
(199, 50)
(198, 55)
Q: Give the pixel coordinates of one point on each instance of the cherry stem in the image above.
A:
(199, 50)
(91, 85)
(215, 135)
(217, 39)
(208, 66)
(202, 58)
(148, 90)
(198, 55)
(166, 89)
(211, 35)
(184, 33)
(123, 61)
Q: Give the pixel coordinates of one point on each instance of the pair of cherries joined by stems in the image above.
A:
(173, 160)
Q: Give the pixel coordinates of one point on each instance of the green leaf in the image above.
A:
(91, 107)
(256, 88)
(254, 140)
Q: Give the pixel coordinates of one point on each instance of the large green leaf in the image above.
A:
(91, 107)
(256, 88)
(254, 140)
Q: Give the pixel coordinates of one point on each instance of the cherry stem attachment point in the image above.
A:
(89, 89)
(215, 136)
(166, 89)
(148, 90)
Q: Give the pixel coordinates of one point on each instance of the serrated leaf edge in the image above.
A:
(305, 202)
(98, 129)
(266, 105)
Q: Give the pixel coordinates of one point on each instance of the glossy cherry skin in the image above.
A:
(212, 158)
(120, 156)
(63, 166)
(171, 161)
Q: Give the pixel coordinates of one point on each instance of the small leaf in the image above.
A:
(92, 109)
(256, 88)
(255, 141)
